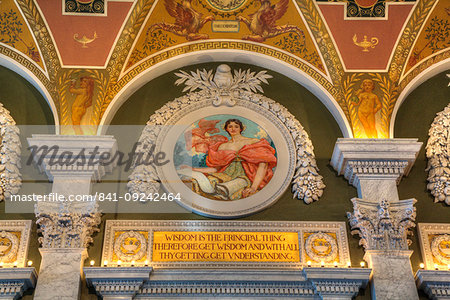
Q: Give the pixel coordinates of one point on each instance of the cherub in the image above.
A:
(369, 105)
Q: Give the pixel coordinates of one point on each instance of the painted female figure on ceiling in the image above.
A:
(227, 169)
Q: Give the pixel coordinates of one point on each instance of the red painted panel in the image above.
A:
(64, 27)
(386, 31)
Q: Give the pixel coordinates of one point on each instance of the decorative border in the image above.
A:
(24, 227)
(116, 86)
(333, 228)
(426, 231)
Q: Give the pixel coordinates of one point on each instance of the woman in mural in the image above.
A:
(82, 101)
(237, 168)
(369, 105)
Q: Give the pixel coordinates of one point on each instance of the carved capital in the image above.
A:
(384, 225)
(67, 224)
(374, 158)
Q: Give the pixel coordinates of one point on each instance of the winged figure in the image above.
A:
(263, 25)
(188, 21)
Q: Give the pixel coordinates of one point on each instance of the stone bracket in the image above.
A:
(435, 283)
(15, 281)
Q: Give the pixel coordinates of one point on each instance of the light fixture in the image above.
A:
(349, 264)
(15, 264)
(335, 264)
(92, 263)
(30, 263)
(436, 267)
(309, 263)
(422, 265)
(119, 262)
(133, 263)
(322, 264)
(105, 263)
(362, 264)
(146, 263)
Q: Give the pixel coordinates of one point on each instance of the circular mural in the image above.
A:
(225, 157)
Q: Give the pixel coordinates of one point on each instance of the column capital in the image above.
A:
(73, 155)
(67, 224)
(374, 158)
(383, 225)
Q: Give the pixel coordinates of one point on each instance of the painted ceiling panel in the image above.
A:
(84, 40)
(15, 33)
(363, 43)
(284, 30)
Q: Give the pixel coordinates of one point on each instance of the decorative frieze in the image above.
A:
(384, 225)
(438, 154)
(435, 245)
(67, 224)
(357, 169)
(225, 244)
(14, 242)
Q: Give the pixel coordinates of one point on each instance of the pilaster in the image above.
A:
(72, 163)
(383, 222)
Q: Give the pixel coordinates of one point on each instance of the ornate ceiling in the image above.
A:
(361, 55)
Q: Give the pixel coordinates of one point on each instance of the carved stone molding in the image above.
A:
(124, 281)
(14, 242)
(384, 225)
(15, 281)
(435, 245)
(67, 224)
(438, 154)
(436, 284)
(231, 90)
(374, 158)
(10, 149)
(342, 283)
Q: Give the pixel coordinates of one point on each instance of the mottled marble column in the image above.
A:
(67, 226)
(375, 167)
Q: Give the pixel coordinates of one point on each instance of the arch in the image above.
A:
(418, 80)
(16, 67)
(223, 55)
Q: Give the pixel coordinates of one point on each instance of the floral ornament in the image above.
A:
(10, 148)
(224, 88)
(438, 154)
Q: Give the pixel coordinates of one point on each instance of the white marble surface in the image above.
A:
(392, 275)
(60, 274)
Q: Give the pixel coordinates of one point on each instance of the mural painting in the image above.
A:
(225, 157)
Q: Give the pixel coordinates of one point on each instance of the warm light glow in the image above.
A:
(30, 263)
(92, 263)
(335, 264)
(119, 262)
(146, 263)
(435, 266)
(133, 263)
(105, 263)
(362, 264)
(322, 264)
(1, 264)
(448, 266)
(422, 266)
(349, 264)
(309, 263)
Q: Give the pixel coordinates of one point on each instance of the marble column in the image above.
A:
(67, 226)
(375, 167)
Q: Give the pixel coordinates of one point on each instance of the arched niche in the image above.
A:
(228, 56)
(26, 104)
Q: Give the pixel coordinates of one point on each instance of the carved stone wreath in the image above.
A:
(223, 89)
(438, 154)
(438, 252)
(327, 255)
(127, 257)
(13, 245)
(10, 177)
